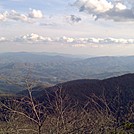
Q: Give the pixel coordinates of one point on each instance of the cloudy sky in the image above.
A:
(93, 27)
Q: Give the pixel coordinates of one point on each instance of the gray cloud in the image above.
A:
(117, 10)
(73, 19)
(14, 15)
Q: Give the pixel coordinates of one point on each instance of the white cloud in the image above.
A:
(17, 16)
(116, 10)
(77, 42)
(3, 16)
(93, 40)
(94, 5)
(65, 39)
(33, 38)
(35, 14)
(120, 6)
(2, 39)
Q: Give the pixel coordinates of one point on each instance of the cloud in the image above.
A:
(3, 16)
(93, 40)
(2, 39)
(76, 42)
(120, 6)
(35, 14)
(33, 38)
(105, 41)
(65, 39)
(73, 19)
(16, 16)
(116, 10)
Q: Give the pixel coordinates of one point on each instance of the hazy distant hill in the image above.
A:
(55, 68)
(24, 57)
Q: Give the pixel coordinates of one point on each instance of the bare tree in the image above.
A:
(28, 106)
(61, 114)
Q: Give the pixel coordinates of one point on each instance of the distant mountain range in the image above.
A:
(53, 68)
(102, 84)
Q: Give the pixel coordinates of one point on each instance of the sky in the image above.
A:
(91, 27)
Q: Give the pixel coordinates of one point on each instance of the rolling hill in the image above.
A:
(57, 68)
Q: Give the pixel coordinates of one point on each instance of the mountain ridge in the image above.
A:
(111, 90)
